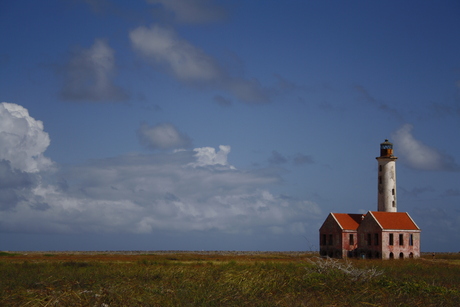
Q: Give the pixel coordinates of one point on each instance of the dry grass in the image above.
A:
(223, 279)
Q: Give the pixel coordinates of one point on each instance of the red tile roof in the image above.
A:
(395, 220)
(348, 221)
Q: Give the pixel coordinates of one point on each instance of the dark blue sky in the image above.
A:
(223, 125)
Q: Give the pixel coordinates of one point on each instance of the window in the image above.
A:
(369, 237)
(394, 204)
(380, 168)
(411, 240)
(330, 240)
(323, 239)
(401, 239)
(393, 191)
(380, 179)
(376, 239)
(391, 239)
(352, 240)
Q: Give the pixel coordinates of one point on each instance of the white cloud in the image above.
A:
(185, 61)
(193, 11)
(162, 136)
(207, 156)
(22, 139)
(420, 156)
(89, 75)
(189, 64)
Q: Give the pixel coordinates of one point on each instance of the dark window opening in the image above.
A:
(393, 191)
(323, 239)
(380, 179)
(401, 239)
(369, 237)
(330, 239)
(380, 168)
(411, 240)
(352, 239)
(376, 239)
(391, 239)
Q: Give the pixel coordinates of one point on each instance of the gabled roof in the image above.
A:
(394, 220)
(348, 221)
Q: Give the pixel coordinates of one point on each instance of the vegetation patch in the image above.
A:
(6, 254)
(225, 280)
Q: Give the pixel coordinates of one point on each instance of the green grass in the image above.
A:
(6, 254)
(211, 280)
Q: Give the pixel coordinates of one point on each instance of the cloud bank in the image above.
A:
(179, 191)
(420, 156)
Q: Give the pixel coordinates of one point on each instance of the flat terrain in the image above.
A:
(230, 278)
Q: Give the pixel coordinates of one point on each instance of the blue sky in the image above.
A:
(223, 125)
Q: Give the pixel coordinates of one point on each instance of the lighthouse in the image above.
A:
(386, 178)
(382, 234)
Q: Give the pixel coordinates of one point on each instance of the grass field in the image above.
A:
(224, 279)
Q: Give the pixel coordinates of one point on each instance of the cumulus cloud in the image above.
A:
(421, 156)
(89, 75)
(193, 11)
(191, 65)
(162, 136)
(14, 185)
(22, 139)
(207, 156)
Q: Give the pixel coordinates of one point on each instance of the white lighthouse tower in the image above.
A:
(387, 178)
